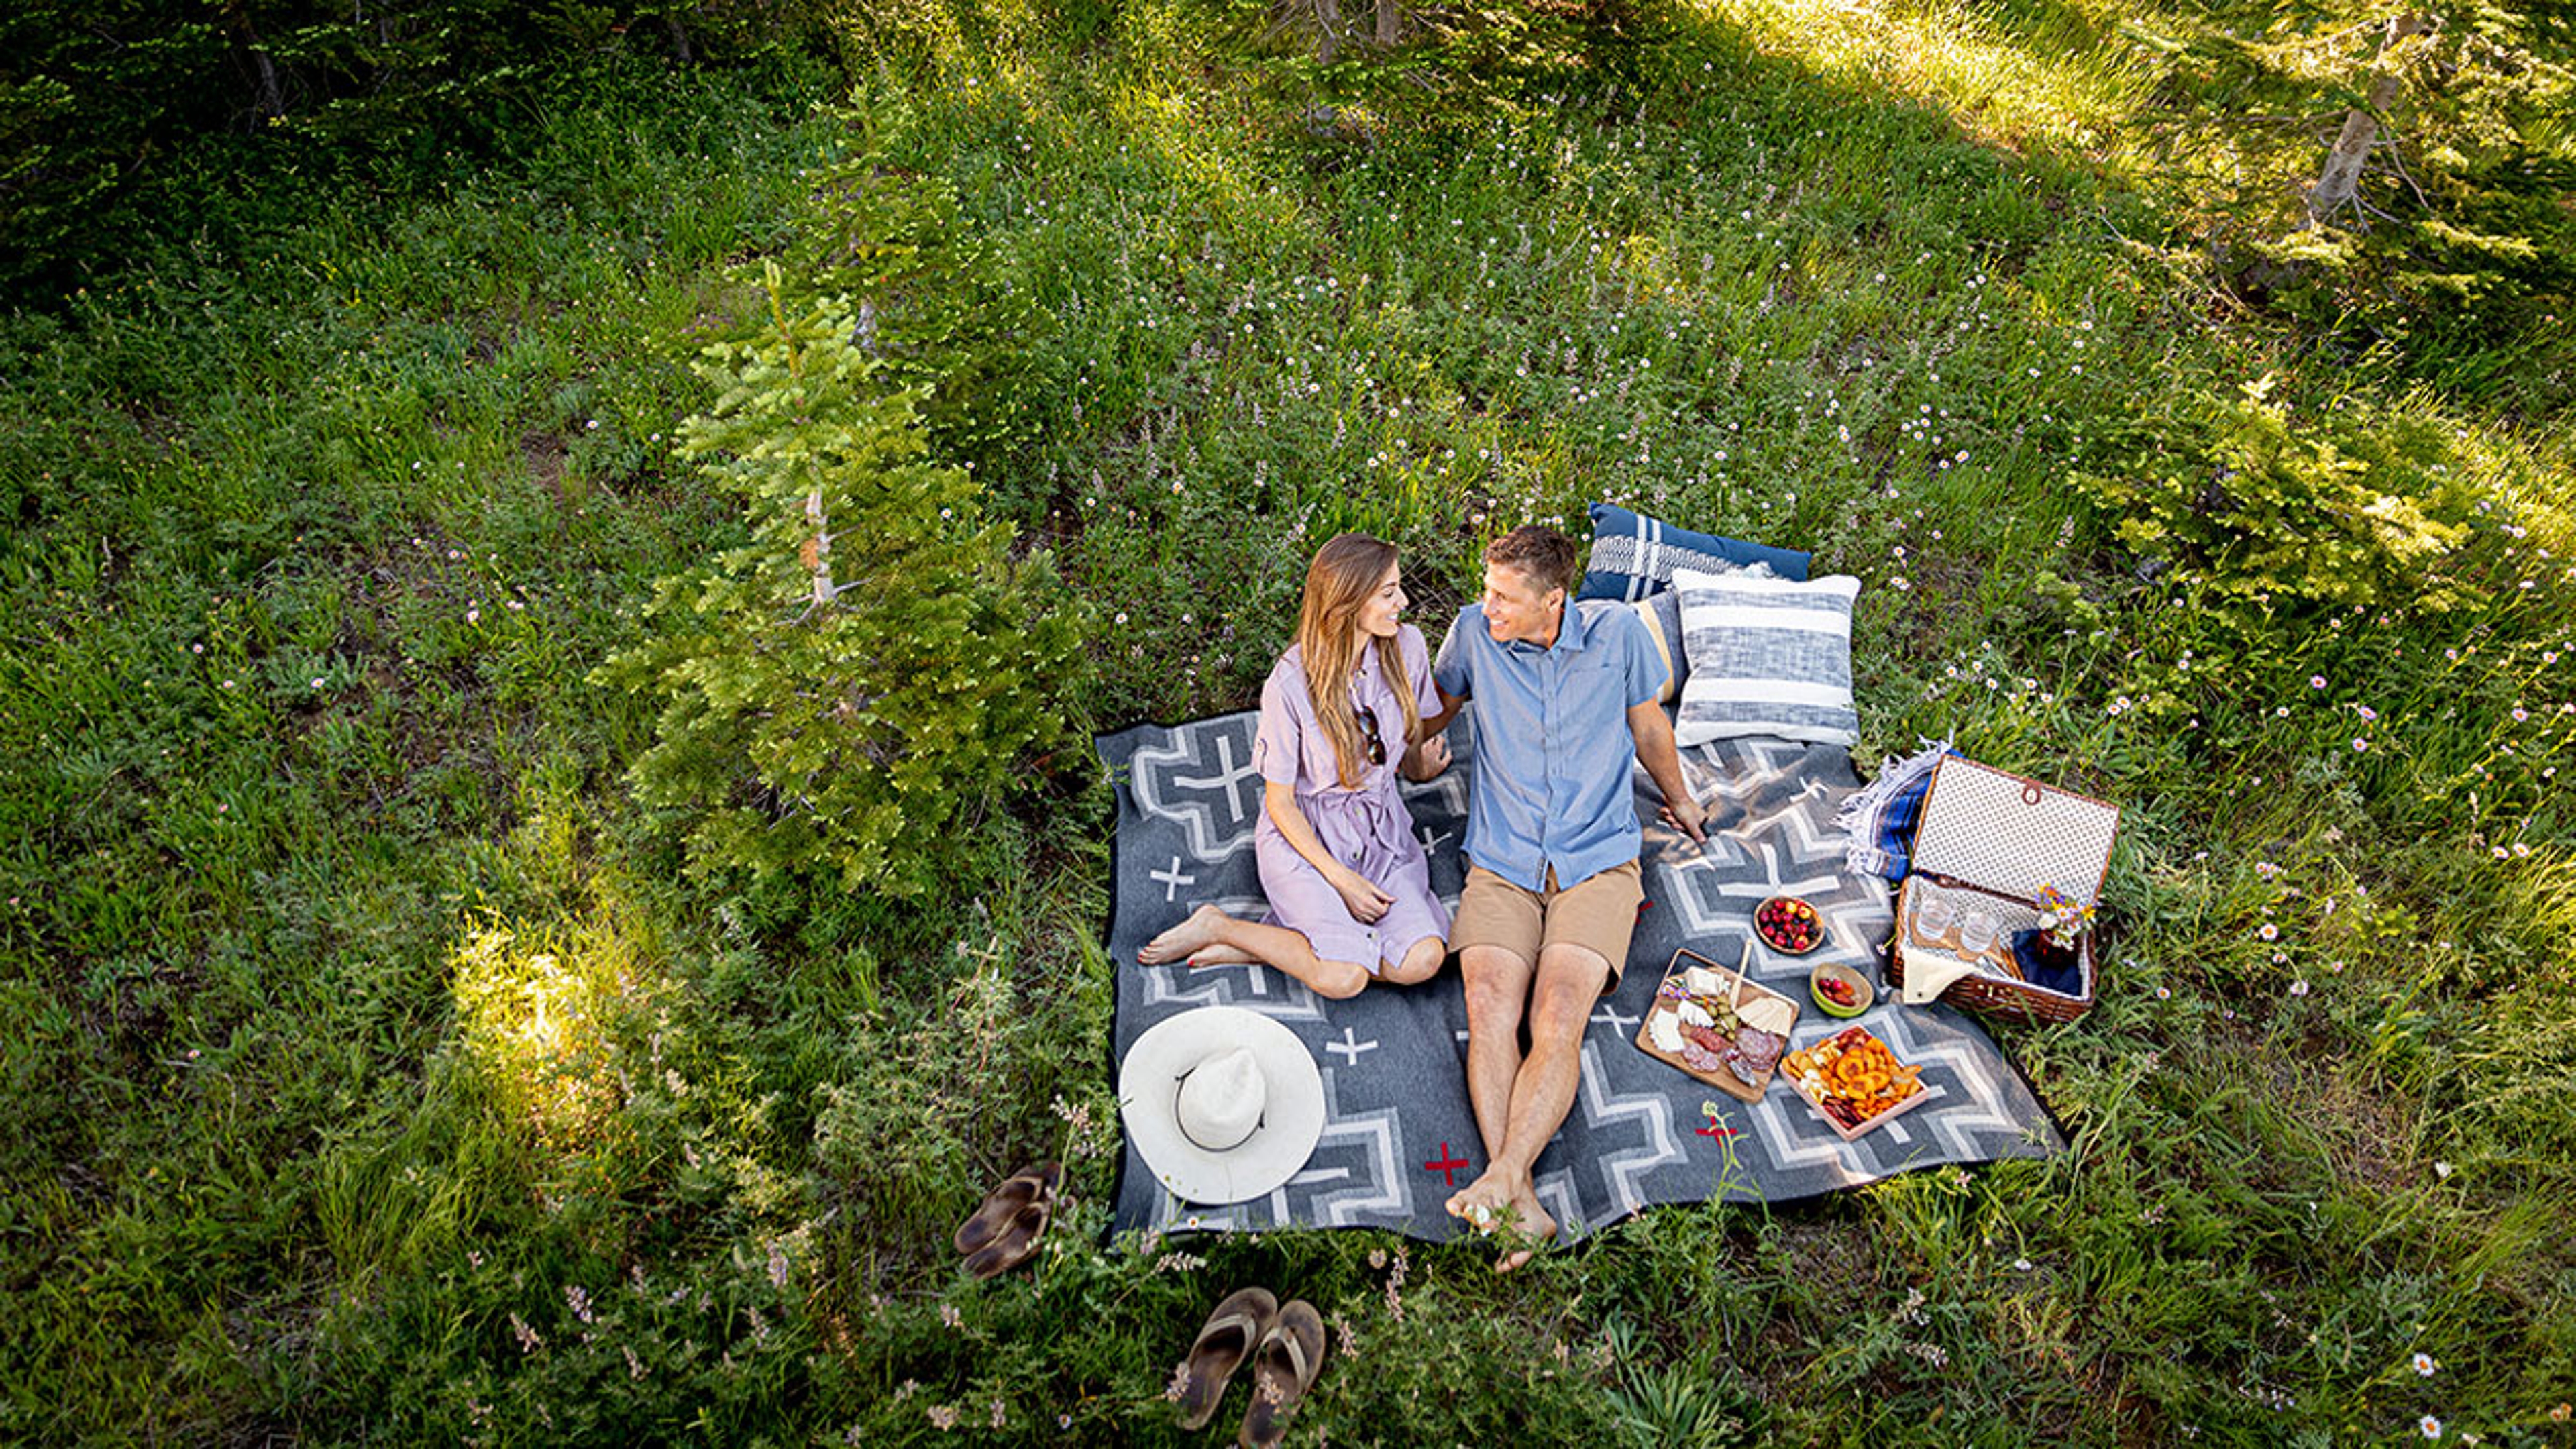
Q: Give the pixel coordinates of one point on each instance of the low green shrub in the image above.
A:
(2248, 508)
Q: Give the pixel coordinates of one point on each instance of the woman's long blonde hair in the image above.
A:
(1343, 577)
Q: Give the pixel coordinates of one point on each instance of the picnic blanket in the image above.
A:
(1399, 1134)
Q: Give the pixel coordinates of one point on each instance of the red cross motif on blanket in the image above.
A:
(1447, 1166)
(1716, 1126)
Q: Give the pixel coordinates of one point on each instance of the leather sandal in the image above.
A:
(1016, 1243)
(1231, 1333)
(1283, 1369)
(1003, 1203)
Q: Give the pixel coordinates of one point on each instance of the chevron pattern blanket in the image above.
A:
(1399, 1134)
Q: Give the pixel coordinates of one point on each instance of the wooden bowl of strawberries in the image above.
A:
(1789, 925)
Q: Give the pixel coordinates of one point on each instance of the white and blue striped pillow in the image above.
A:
(1768, 656)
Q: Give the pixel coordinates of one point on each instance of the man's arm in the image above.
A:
(1450, 704)
(1430, 753)
(1453, 666)
(1655, 751)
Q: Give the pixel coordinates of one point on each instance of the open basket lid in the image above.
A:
(2012, 835)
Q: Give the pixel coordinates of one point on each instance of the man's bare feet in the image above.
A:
(1496, 1202)
(1534, 1223)
(1482, 1202)
(1197, 934)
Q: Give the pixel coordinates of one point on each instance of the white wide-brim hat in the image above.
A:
(1223, 1104)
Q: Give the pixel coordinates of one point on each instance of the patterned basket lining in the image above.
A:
(2012, 835)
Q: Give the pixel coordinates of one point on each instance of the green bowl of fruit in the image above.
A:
(1789, 925)
(1840, 990)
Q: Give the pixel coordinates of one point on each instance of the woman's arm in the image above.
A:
(1365, 900)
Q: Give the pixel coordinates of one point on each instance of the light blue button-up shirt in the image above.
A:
(1551, 777)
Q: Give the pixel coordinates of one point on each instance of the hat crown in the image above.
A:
(1219, 1103)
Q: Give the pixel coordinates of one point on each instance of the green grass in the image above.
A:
(375, 1072)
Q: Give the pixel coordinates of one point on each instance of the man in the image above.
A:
(1563, 695)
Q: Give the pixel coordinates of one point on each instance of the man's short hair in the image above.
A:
(1538, 553)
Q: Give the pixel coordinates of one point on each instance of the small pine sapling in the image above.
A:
(859, 683)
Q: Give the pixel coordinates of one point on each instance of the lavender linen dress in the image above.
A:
(1366, 828)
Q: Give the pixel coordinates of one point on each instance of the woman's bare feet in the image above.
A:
(1201, 933)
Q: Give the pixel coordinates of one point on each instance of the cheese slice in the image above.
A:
(1769, 1013)
(1665, 1031)
(1703, 982)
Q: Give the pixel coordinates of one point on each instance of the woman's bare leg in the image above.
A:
(1209, 931)
(1421, 963)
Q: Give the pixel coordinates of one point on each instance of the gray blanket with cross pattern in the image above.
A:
(1399, 1133)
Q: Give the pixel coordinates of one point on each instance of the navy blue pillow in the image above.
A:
(1634, 556)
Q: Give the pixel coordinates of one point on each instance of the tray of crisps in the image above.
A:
(1855, 1082)
(1718, 1025)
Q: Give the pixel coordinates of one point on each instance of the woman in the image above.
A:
(1350, 892)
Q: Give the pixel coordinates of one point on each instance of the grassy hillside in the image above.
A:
(377, 1072)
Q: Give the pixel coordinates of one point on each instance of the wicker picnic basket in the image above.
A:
(1988, 841)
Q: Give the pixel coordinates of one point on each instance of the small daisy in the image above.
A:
(2298, 988)
(2269, 932)
(2424, 1365)
(2430, 1427)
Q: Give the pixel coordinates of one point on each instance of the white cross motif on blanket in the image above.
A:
(1172, 880)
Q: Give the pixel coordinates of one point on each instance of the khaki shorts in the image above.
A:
(1599, 914)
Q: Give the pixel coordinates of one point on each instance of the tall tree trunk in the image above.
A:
(272, 92)
(1386, 20)
(1328, 21)
(272, 96)
(2340, 182)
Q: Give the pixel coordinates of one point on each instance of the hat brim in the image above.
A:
(1292, 1116)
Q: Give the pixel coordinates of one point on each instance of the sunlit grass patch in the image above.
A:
(559, 1024)
(2012, 85)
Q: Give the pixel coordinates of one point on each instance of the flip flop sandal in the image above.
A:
(1232, 1331)
(1029, 1184)
(1283, 1369)
(1016, 1243)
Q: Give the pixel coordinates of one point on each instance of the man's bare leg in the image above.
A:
(1211, 937)
(1498, 984)
(1569, 981)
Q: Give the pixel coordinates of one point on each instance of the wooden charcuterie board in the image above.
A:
(1734, 988)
